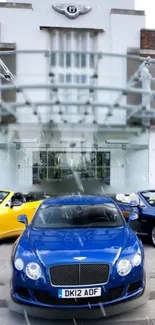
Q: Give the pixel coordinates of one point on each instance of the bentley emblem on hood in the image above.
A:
(70, 10)
(80, 258)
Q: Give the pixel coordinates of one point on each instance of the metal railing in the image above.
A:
(138, 111)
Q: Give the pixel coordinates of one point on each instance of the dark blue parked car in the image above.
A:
(78, 255)
(144, 206)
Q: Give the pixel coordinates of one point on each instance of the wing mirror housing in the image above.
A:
(16, 203)
(134, 204)
(23, 219)
(132, 216)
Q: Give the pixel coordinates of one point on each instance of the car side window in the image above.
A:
(142, 204)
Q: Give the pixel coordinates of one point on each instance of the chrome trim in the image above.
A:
(82, 258)
(79, 286)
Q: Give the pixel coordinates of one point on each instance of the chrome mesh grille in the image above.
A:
(79, 274)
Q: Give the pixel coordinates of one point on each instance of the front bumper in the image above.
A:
(90, 311)
(98, 312)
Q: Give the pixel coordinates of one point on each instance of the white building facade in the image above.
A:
(51, 139)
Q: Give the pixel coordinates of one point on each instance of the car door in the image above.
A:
(9, 224)
(142, 224)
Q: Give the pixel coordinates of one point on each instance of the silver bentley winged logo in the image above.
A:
(70, 10)
(80, 258)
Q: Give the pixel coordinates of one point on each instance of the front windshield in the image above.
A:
(78, 216)
(3, 195)
(149, 197)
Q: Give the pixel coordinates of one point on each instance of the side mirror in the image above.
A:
(133, 216)
(134, 204)
(16, 204)
(23, 219)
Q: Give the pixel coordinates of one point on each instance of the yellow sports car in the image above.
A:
(11, 206)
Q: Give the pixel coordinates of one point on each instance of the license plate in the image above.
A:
(79, 293)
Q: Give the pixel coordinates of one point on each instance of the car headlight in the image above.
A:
(124, 267)
(19, 264)
(137, 259)
(33, 271)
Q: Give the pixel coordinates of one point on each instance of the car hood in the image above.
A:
(57, 246)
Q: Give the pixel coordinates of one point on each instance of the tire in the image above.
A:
(153, 235)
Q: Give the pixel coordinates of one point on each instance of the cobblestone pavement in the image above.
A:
(144, 315)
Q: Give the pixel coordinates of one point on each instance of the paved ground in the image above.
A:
(144, 315)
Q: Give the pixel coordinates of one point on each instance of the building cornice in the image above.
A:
(16, 5)
(49, 28)
(127, 12)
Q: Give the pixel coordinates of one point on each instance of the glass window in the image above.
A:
(61, 48)
(91, 61)
(83, 60)
(77, 60)
(61, 59)
(43, 173)
(149, 196)
(54, 173)
(53, 59)
(142, 205)
(51, 156)
(68, 78)
(83, 79)
(53, 48)
(99, 159)
(55, 165)
(68, 60)
(35, 162)
(35, 158)
(103, 166)
(103, 159)
(61, 78)
(76, 79)
(43, 158)
(78, 216)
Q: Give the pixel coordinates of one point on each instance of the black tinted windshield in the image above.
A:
(78, 216)
(149, 196)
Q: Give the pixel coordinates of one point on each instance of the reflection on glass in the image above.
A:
(83, 60)
(43, 174)
(71, 216)
(43, 158)
(68, 78)
(76, 79)
(83, 79)
(53, 59)
(77, 60)
(61, 59)
(54, 173)
(51, 160)
(61, 78)
(68, 60)
(91, 60)
(103, 166)
(58, 165)
(35, 158)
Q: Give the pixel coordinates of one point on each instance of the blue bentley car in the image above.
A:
(78, 255)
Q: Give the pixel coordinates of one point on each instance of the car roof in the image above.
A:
(78, 199)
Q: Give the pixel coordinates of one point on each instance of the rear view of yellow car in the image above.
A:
(11, 206)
